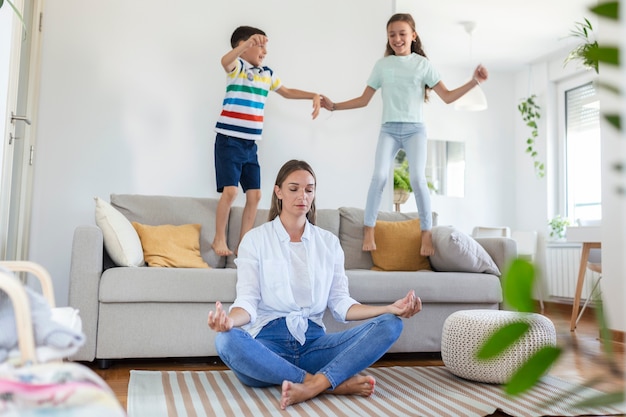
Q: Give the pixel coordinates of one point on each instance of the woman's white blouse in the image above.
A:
(264, 285)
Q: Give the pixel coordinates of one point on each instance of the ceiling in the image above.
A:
(508, 35)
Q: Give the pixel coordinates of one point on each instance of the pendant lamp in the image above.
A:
(474, 99)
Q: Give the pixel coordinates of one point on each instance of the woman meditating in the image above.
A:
(288, 272)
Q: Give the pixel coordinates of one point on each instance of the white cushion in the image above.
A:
(120, 237)
(456, 251)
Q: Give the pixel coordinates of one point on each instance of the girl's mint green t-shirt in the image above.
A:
(403, 80)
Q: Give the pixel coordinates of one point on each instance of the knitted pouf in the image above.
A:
(465, 331)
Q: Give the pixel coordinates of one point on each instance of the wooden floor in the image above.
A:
(582, 361)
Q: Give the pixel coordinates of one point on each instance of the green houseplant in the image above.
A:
(17, 12)
(586, 51)
(401, 183)
(529, 110)
(558, 226)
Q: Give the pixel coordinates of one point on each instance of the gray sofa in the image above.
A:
(149, 312)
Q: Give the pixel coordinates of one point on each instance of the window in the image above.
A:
(580, 188)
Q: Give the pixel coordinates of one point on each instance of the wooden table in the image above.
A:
(590, 237)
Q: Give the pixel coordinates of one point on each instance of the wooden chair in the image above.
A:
(594, 264)
(52, 388)
(66, 316)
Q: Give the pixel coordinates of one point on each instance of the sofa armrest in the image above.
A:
(501, 249)
(85, 273)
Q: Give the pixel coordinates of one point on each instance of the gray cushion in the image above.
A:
(234, 229)
(158, 210)
(167, 285)
(456, 251)
(432, 287)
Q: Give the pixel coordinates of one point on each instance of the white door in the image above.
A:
(18, 127)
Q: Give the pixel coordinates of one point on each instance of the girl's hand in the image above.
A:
(481, 74)
(218, 320)
(316, 105)
(408, 306)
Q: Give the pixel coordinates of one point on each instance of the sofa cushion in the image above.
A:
(456, 251)
(234, 230)
(171, 246)
(351, 234)
(120, 237)
(157, 210)
(376, 287)
(164, 285)
(398, 246)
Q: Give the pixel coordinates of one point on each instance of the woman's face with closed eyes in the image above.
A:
(296, 193)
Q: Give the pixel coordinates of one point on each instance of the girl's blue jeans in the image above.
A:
(412, 138)
(275, 356)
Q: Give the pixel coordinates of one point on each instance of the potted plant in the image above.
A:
(401, 183)
(558, 227)
(586, 51)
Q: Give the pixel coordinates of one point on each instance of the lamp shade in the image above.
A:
(473, 100)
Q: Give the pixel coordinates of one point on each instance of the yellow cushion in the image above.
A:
(171, 246)
(398, 246)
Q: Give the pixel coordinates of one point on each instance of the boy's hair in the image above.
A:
(243, 33)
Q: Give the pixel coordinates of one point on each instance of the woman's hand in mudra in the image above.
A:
(408, 306)
(218, 320)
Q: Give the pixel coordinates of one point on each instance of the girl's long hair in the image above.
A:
(276, 206)
(416, 46)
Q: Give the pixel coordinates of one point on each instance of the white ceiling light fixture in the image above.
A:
(474, 99)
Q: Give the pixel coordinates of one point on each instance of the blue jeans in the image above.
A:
(275, 356)
(412, 138)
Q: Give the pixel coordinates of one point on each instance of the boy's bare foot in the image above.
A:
(369, 243)
(357, 385)
(427, 243)
(221, 248)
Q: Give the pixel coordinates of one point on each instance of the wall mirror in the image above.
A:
(445, 167)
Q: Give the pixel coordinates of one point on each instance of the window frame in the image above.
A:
(561, 203)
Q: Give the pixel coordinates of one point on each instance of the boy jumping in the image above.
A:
(240, 125)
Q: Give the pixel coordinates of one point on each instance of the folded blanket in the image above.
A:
(47, 332)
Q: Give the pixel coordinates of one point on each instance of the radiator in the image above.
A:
(562, 264)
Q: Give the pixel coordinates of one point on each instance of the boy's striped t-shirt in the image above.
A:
(243, 107)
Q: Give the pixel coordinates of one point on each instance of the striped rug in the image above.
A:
(400, 391)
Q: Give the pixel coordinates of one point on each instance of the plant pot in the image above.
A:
(400, 196)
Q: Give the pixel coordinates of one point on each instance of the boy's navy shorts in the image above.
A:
(236, 162)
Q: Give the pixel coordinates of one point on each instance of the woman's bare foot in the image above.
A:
(427, 243)
(314, 385)
(220, 247)
(293, 393)
(357, 385)
(369, 244)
